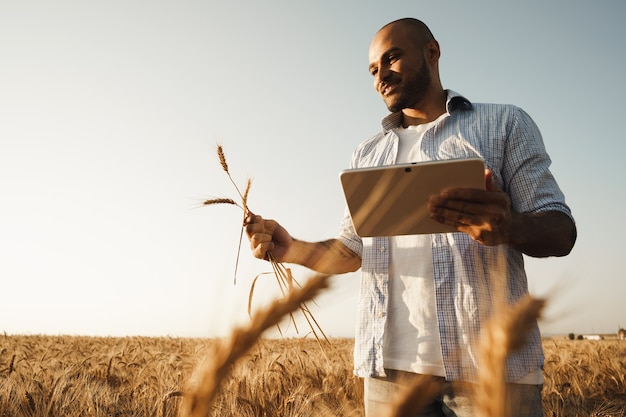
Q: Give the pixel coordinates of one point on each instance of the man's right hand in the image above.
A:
(328, 257)
(267, 235)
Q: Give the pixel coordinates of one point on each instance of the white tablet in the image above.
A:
(392, 200)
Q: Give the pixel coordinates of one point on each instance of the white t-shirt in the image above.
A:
(411, 341)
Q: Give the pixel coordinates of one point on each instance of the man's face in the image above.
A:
(401, 74)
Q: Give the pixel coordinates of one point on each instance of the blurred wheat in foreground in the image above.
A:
(218, 365)
(502, 335)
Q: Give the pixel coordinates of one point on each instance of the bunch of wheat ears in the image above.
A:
(283, 275)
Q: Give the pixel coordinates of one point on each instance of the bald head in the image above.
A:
(415, 29)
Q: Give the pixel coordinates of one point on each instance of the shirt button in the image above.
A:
(382, 249)
(381, 314)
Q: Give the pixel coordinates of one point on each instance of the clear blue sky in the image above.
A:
(110, 113)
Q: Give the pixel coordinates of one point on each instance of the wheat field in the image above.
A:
(68, 376)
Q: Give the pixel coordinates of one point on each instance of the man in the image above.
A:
(424, 297)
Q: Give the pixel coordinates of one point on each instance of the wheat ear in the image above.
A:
(244, 196)
(503, 334)
(214, 201)
(219, 362)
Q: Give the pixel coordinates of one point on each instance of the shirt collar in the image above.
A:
(454, 102)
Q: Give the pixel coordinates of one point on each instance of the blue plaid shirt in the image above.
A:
(510, 144)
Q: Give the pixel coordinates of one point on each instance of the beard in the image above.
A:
(411, 92)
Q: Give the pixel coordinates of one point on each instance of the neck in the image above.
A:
(428, 110)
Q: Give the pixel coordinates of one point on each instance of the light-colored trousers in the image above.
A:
(454, 400)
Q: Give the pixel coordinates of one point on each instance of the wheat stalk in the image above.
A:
(286, 283)
(219, 362)
(221, 156)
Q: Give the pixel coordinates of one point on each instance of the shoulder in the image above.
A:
(496, 116)
(507, 110)
(501, 111)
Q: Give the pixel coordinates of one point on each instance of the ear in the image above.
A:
(432, 51)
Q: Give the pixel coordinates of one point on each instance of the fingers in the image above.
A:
(253, 224)
(471, 195)
(483, 215)
(259, 235)
(260, 250)
(462, 212)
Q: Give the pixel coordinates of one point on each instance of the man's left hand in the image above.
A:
(485, 215)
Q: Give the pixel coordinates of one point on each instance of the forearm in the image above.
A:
(329, 257)
(541, 235)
